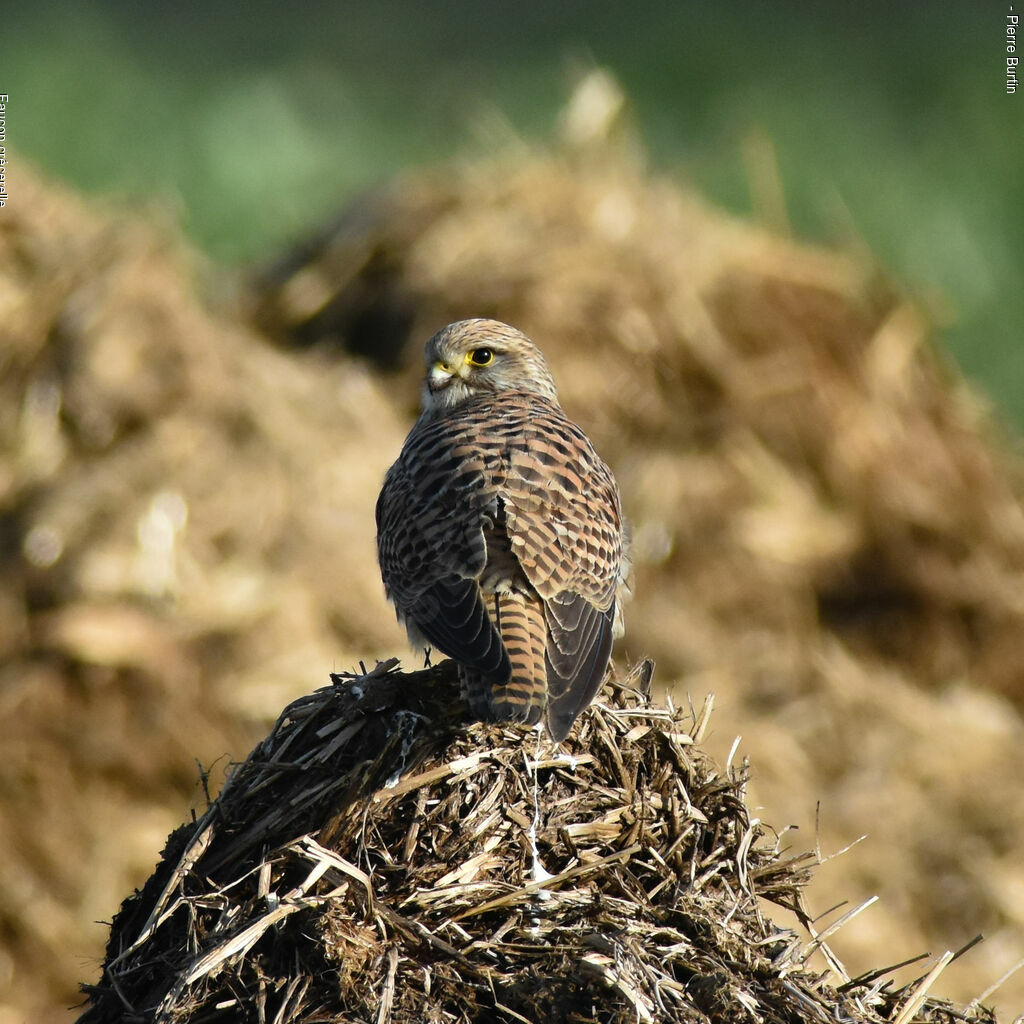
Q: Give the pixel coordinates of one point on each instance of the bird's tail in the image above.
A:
(519, 618)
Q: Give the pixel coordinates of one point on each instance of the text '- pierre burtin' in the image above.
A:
(1011, 52)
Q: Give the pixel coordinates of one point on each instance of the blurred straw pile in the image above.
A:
(828, 531)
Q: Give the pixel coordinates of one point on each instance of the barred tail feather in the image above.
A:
(519, 619)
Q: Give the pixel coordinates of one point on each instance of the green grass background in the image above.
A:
(889, 121)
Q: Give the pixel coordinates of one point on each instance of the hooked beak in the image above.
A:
(440, 376)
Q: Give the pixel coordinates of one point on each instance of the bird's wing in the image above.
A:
(562, 511)
(564, 523)
(577, 657)
(431, 547)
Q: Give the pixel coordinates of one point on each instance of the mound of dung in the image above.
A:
(374, 859)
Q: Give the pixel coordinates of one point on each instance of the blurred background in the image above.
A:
(888, 123)
(782, 226)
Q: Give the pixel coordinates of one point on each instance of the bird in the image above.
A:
(500, 533)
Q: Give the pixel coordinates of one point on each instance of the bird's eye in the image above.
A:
(480, 356)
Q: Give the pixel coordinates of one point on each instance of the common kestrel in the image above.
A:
(499, 531)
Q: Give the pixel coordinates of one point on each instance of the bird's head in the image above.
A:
(472, 358)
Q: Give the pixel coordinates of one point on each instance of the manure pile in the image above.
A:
(376, 860)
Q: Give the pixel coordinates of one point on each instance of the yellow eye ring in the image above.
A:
(480, 357)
